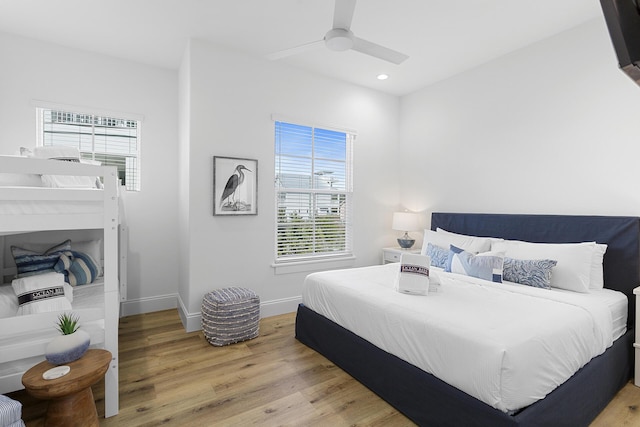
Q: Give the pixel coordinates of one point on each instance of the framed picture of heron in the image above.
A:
(235, 186)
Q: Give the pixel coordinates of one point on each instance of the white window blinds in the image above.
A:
(108, 140)
(313, 178)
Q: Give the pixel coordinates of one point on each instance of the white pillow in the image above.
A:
(20, 180)
(597, 276)
(41, 293)
(445, 240)
(573, 270)
(8, 302)
(69, 181)
(64, 181)
(491, 239)
(56, 152)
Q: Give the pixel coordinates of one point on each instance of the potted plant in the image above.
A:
(69, 346)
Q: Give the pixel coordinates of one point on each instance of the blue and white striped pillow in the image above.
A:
(31, 262)
(78, 268)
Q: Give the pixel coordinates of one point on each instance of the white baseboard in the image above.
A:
(148, 305)
(193, 321)
(190, 321)
(279, 306)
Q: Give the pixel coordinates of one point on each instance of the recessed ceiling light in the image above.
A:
(383, 76)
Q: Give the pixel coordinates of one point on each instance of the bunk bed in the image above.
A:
(426, 398)
(34, 214)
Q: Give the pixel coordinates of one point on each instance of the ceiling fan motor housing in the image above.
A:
(339, 39)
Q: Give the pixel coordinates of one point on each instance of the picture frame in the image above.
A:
(235, 186)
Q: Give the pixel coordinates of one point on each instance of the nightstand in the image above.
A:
(636, 344)
(393, 254)
(71, 401)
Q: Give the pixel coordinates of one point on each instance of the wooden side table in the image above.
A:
(70, 397)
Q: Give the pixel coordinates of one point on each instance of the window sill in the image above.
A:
(313, 265)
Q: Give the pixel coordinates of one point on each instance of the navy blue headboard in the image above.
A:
(621, 234)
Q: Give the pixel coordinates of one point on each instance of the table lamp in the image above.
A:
(406, 221)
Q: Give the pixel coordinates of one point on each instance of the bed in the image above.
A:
(429, 400)
(87, 218)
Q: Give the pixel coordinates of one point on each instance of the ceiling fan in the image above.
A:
(341, 38)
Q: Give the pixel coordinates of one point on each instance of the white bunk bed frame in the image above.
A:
(108, 220)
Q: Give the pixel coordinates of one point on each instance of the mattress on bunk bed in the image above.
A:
(69, 155)
(505, 344)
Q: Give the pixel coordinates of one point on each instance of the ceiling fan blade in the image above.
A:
(378, 51)
(295, 50)
(343, 14)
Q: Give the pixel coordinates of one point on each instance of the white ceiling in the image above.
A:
(441, 37)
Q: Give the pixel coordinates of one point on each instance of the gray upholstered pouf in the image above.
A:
(230, 315)
(10, 412)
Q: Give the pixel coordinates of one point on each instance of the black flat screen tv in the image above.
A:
(623, 22)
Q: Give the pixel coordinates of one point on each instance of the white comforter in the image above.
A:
(506, 345)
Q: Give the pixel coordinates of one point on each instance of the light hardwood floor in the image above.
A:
(171, 378)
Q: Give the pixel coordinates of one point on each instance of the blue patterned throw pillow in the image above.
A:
(487, 267)
(31, 262)
(438, 255)
(530, 272)
(78, 268)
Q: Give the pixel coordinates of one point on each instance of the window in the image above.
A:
(314, 192)
(108, 140)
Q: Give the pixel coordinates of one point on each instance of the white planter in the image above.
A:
(67, 348)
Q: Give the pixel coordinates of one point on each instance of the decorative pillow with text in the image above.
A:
(41, 293)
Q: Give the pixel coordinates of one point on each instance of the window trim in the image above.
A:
(40, 105)
(302, 263)
(84, 109)
(303, 122)
(299, 266)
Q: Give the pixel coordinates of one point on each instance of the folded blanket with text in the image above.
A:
(413, 274)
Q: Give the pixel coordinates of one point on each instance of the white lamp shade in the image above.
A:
(406, 221)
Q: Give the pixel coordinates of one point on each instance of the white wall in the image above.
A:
(552, 128)
(34, 70)
(231, 99)
(548, 129)
(184, 217)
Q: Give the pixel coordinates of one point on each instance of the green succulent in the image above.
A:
(67, 323)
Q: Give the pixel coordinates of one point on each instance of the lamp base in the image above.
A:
(406, 243)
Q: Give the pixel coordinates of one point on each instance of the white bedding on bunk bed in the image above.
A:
(77, 201)
(23, 336)
(82, 297)
(505, 344)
